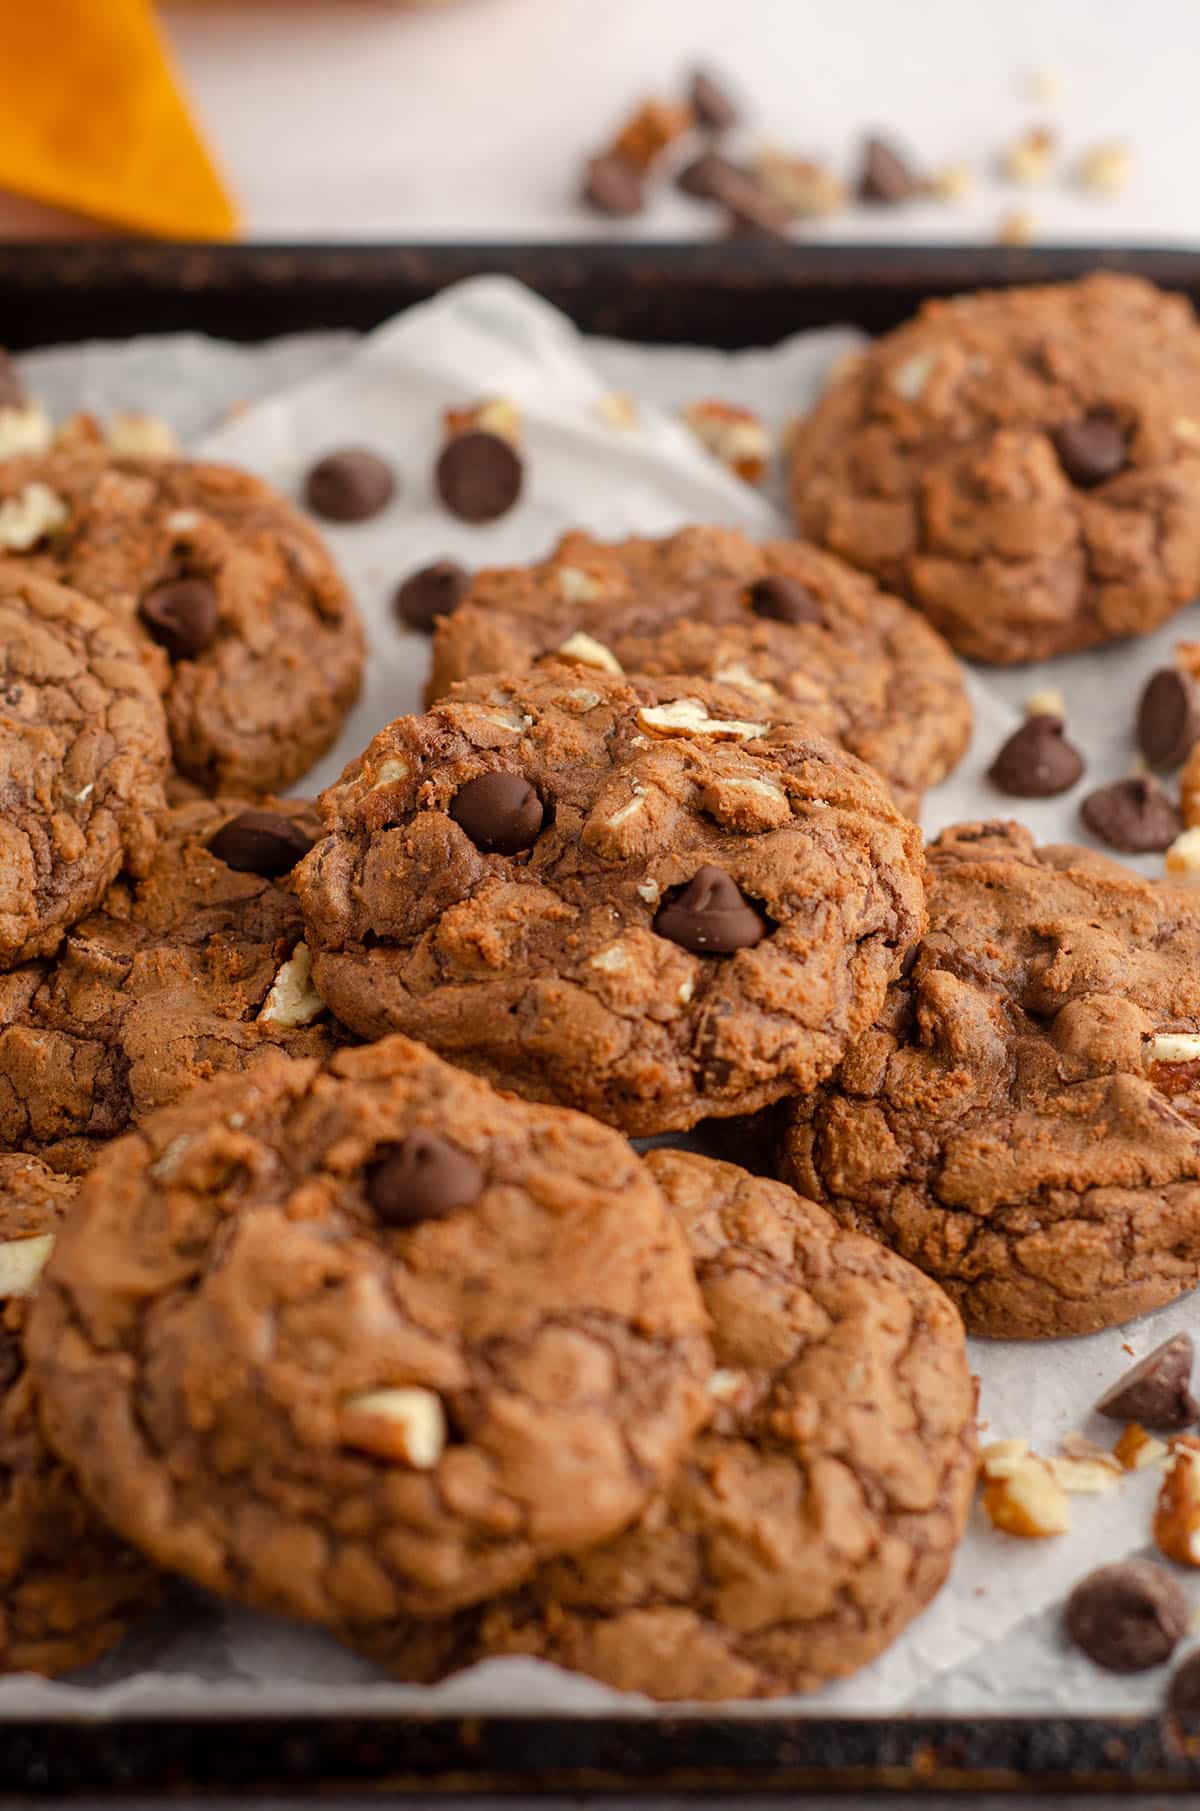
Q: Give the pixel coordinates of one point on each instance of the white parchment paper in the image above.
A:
(992, 1639)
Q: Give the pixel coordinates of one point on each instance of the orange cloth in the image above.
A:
(92, 118)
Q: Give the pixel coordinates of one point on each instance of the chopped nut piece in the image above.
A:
(655, 125)
(1029, 158)
(141, 436)
(388, 772)
(723, 1386)
(497, 415)
(293, 999)
(1048, 703)
(24, 430)
(1137, 1450)
(1078, 1446)
(688, 717)
(802, 188)
(1018, 228)
(1172, 1047)
(737, 673)
(1027, 1500)
(1000, 1458)
(578, 586)
(22, 1262)
(1105, 169)
(1183, 857)
(910, 378)
(35, 512)
(1084, 1477)
(1177, 1512)
(407, 1424)
(619, 410)
(1186, 429)
(733, 435)
(953, 182)
(590, 653)
(613, 961)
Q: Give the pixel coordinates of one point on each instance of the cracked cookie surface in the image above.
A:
(816, 1515)
(1023, 1121)
(68, 1588)
(639, 897)
(364, 1339)
(176, 977)
(256, 644)
(1022, 465)
(824, 644)
(83, 752)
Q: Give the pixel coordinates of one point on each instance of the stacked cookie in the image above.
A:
(366, 1310)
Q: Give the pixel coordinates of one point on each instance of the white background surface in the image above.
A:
(361, 118)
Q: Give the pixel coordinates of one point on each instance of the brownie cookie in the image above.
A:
(197, 968)
(1023, 1121)
(819, 1512)
(68, 1588)
(1023, 465)
(637, 896)
(257, 646)
(366, 1339)
(808, 636)
(83, 751)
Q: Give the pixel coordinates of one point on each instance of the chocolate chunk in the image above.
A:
(749, 206)
(500, 812)
(1157, 1390)
(422, 1178)
(1127, 1617)
(13, 394)
(706, 176)
(432, 592)
(1134, 815)
(613, 185)
(885, 177)
(711, 916)
(1037, 761)
(1091, 449)
(1168, 718)
(260, 842)
(478, 476)
(349, 486)
(181, 616)
(711, 103)
(784, 601)
(1183, 1693)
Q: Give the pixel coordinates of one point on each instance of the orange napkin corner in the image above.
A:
(92, 118)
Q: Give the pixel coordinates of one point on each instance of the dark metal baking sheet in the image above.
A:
(727, 294)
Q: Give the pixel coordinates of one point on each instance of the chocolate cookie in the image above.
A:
(1023, 1121)
(1023, 465)
(808, 636)
(83, 751)
(197, 968)
(257, 646)
(813, 1519)
(637, 896)
(368, 1339)
(69, 1588)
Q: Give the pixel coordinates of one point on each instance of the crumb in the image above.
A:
(1105, 169)
(952, 182)
(1029, 158)
(1017, 228)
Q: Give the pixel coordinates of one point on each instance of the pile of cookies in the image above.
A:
(332, 1281)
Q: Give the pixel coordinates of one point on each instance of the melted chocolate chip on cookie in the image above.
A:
(181, 616)
(711, 916)
(500, 812)
(261, 842)
(422, 1178)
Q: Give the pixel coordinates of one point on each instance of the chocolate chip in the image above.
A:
(783, 600)
(1134, 815)
(752, 211)
(478, 476)
(500, 812)
(260, 842)
(422, 1178)
(706, 175)
(1037, 761)
(1183, 1693)
(711, 916)
(432, 592)
(1127, 1617)
(712, 104)
(350, 486)
(181, 616)
(885, 176)
(1168, 718)
(613, 185)
(1090, 449)
(1157, 1390)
